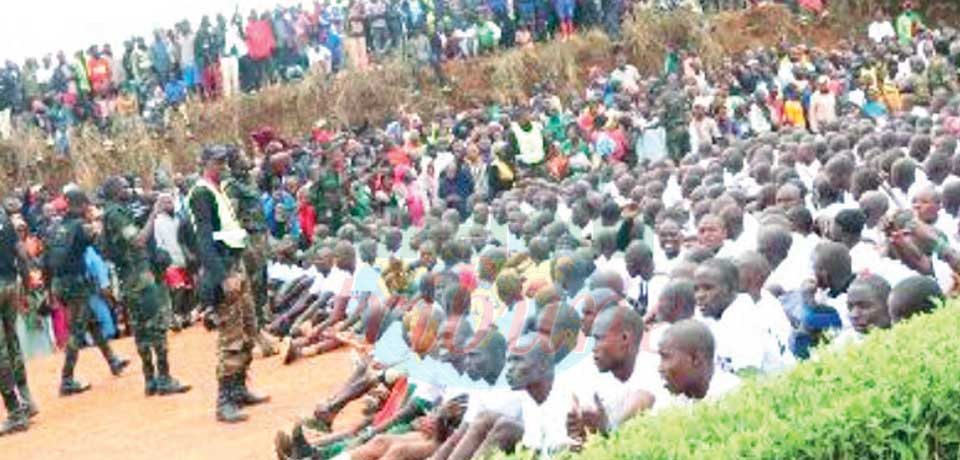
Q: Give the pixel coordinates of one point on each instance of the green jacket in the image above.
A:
(119, 232)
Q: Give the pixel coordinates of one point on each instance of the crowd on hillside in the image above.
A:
(152, 76)
(526, 275)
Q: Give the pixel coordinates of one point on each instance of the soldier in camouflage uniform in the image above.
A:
(144, 297)
(326, 197)
(219, 242)
(64, 264)
(13, 375)
(245, 195)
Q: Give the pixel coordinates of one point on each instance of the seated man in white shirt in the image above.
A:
(770, 319)
(677, 302)
(369, 291)
(612, 386)
(712, 234)
(544, 406)
(687, 365)
(914, 296)
(875, 205)
(832, 277)
(646, 283)
(314, 322)
(313, 300)
(729, 315)
(605, 245)
(669, 237)
(489, 403)
(846, 229)
(775, 242)
(867, 303)
(926, 203)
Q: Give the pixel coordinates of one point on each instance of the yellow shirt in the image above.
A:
(793, 111)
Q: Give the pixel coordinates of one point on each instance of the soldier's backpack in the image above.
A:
(59, 243)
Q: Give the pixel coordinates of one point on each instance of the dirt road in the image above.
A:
(116, 421)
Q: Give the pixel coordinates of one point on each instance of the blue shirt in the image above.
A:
(99, 273)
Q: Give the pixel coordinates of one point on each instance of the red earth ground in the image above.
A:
(116, 421)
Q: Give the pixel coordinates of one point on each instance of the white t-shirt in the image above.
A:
(283, 272)
(721, 384)
(318, 280)
(737, 336)
(545, 425)
(498, 399)
(880, 30)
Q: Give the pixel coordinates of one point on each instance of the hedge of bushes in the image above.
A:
(895, 396)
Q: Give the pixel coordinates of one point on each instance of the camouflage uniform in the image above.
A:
(226, 287)
(325, 196)
(72, 286)
(246, 201)
(11, 356)
(146, 299)
(13, 373)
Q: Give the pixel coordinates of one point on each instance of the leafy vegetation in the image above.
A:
(896, 395)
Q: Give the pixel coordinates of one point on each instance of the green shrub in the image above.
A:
(897, 395)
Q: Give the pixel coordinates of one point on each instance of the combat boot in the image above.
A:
(298, 443)
(245, 397)
(228, 411)
(150, 386)
(166, 385)
(117, 365)
(70, 386)
(17, 421)
(27, 402)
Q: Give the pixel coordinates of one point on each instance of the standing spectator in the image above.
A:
(99, 69)
(9, 87)
(260, 46)
(881, 28)
(206, 54)
(117, 72)
(334, 43)
(234, 52)
(79, 72)
(565, 10)
(908, 23)
(186, 38)
(160, 57)
(356, 45)
(395, 24)
(376, 12)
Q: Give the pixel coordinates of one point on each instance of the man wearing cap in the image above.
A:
(225, 287)
(143, 295)
(64, 264)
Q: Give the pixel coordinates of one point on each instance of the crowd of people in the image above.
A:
(522, 275)
(152, 76)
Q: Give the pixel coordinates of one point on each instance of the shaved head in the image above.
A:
(913, 296)
(691, 336)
